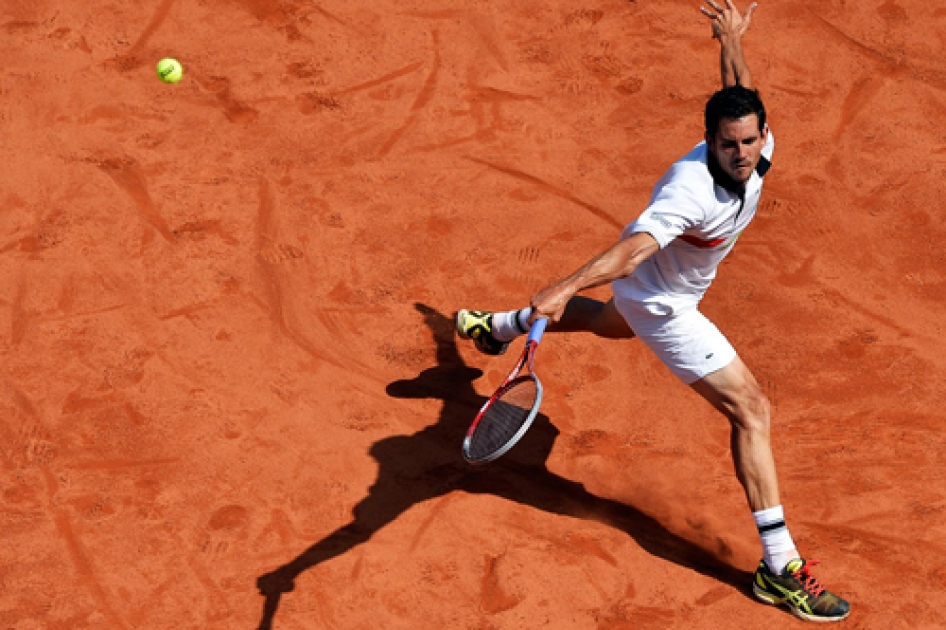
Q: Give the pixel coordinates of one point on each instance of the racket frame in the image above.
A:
(526, 359)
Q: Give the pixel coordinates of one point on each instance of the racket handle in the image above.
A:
(538, 329)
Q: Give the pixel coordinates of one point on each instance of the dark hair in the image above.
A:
(733, 102)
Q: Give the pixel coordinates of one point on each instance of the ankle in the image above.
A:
(510, 324)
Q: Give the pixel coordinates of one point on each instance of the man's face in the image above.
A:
(738, 146)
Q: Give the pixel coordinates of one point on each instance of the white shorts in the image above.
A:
(685, 341)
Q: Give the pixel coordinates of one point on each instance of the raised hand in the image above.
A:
(728, 27)
(727, 21)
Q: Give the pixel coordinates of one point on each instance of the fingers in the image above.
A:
(729, 17)
(730, 6)
(717, 13)
(549, 309)
(752, 7)
(553, 318)
(538, 313)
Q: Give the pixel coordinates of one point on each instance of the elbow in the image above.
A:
(634, 262)
(637, 249)
(647, 248)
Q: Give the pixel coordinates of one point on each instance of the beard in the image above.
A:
(723, 178)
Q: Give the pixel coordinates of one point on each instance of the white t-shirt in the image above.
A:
(696, 222)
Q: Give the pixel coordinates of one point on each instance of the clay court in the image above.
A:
(225, 314)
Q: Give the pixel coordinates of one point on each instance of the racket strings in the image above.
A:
(503, 419)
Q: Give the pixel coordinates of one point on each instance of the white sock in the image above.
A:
(510, 324)
(778, 548)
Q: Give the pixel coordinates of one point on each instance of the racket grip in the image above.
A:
(538, 329)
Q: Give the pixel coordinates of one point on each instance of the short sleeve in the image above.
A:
(673, 210)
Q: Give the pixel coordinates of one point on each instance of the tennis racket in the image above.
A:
(509, 412)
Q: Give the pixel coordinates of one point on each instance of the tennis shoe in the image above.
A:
(801, 591)
(478, 326)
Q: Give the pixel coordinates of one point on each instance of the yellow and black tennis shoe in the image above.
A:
(478, 326)
(801, 591)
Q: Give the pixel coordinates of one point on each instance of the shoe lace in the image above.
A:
(808, 581)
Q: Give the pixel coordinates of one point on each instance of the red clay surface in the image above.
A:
(224, 314)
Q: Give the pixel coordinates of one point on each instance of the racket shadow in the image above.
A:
(427, 464)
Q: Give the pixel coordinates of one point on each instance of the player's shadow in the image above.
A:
(419, 467)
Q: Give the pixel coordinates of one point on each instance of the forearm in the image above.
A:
(618, 261)
(732, 61)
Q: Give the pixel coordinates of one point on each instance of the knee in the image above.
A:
(753, 411)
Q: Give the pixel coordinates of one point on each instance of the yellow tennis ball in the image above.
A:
(170, 70)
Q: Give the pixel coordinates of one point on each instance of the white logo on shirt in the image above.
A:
(660, 218)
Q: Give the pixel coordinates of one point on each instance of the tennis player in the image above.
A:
(659, 270)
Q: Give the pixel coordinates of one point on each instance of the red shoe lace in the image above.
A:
(808, 581)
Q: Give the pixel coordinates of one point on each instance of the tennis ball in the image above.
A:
(170, 70)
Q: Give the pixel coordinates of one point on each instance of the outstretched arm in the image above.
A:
(728, 27)
(618, 261)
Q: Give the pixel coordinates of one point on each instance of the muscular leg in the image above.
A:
(600, 318)
(783, 577)
(734, 392)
